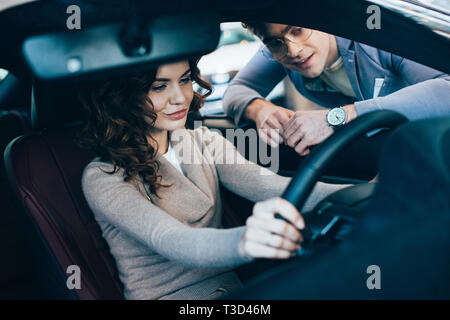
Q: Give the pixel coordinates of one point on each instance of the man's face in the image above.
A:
(308, 57)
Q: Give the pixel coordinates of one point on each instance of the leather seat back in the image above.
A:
(45, 172)
(17, 281)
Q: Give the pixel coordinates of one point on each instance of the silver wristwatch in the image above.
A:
(336, 117)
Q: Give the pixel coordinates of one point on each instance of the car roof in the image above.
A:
(397, 34)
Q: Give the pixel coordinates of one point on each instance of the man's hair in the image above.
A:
(259, 29)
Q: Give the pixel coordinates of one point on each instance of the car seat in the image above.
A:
(44, 169)
(17, 279)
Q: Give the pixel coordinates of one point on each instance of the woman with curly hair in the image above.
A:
(160, 213)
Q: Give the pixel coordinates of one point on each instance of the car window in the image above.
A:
(3, 74)
(235, 49)
(233, 33)
(5, 4)
(430, 13)
(442, 4)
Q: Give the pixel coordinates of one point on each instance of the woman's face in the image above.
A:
(171, 94)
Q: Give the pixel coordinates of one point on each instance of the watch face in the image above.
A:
(336, 117)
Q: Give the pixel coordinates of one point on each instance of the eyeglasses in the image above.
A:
(278, 47)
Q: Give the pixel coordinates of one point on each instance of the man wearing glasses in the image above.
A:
(346, 77)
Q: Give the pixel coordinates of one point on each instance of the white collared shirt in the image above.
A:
(172, 158)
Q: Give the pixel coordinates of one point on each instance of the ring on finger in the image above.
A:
(269, 239)
(273, 241)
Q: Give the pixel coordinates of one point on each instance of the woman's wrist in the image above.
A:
(241, 248)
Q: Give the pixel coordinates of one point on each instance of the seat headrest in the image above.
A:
(55, 105)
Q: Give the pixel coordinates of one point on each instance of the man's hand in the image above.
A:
(308, 128)
(270, 120)
(305, 129)
(268, 237)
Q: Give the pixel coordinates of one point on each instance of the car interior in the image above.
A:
(46, 223)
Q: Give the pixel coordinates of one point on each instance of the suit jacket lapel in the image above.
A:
(350, 64)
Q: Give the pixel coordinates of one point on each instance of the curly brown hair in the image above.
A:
(119, 121)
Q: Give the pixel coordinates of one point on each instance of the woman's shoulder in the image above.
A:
(97, 164)
(99, 176)
(97, 169)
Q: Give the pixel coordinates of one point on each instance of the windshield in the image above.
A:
(438, 4)
(5, 4)
(431, 13)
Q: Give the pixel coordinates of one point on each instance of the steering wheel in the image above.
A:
(311, 168)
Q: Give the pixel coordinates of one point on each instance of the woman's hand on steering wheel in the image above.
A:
(270, 237)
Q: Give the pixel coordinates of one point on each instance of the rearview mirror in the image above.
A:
(111, 48)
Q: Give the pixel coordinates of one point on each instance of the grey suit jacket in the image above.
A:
(408, 87)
